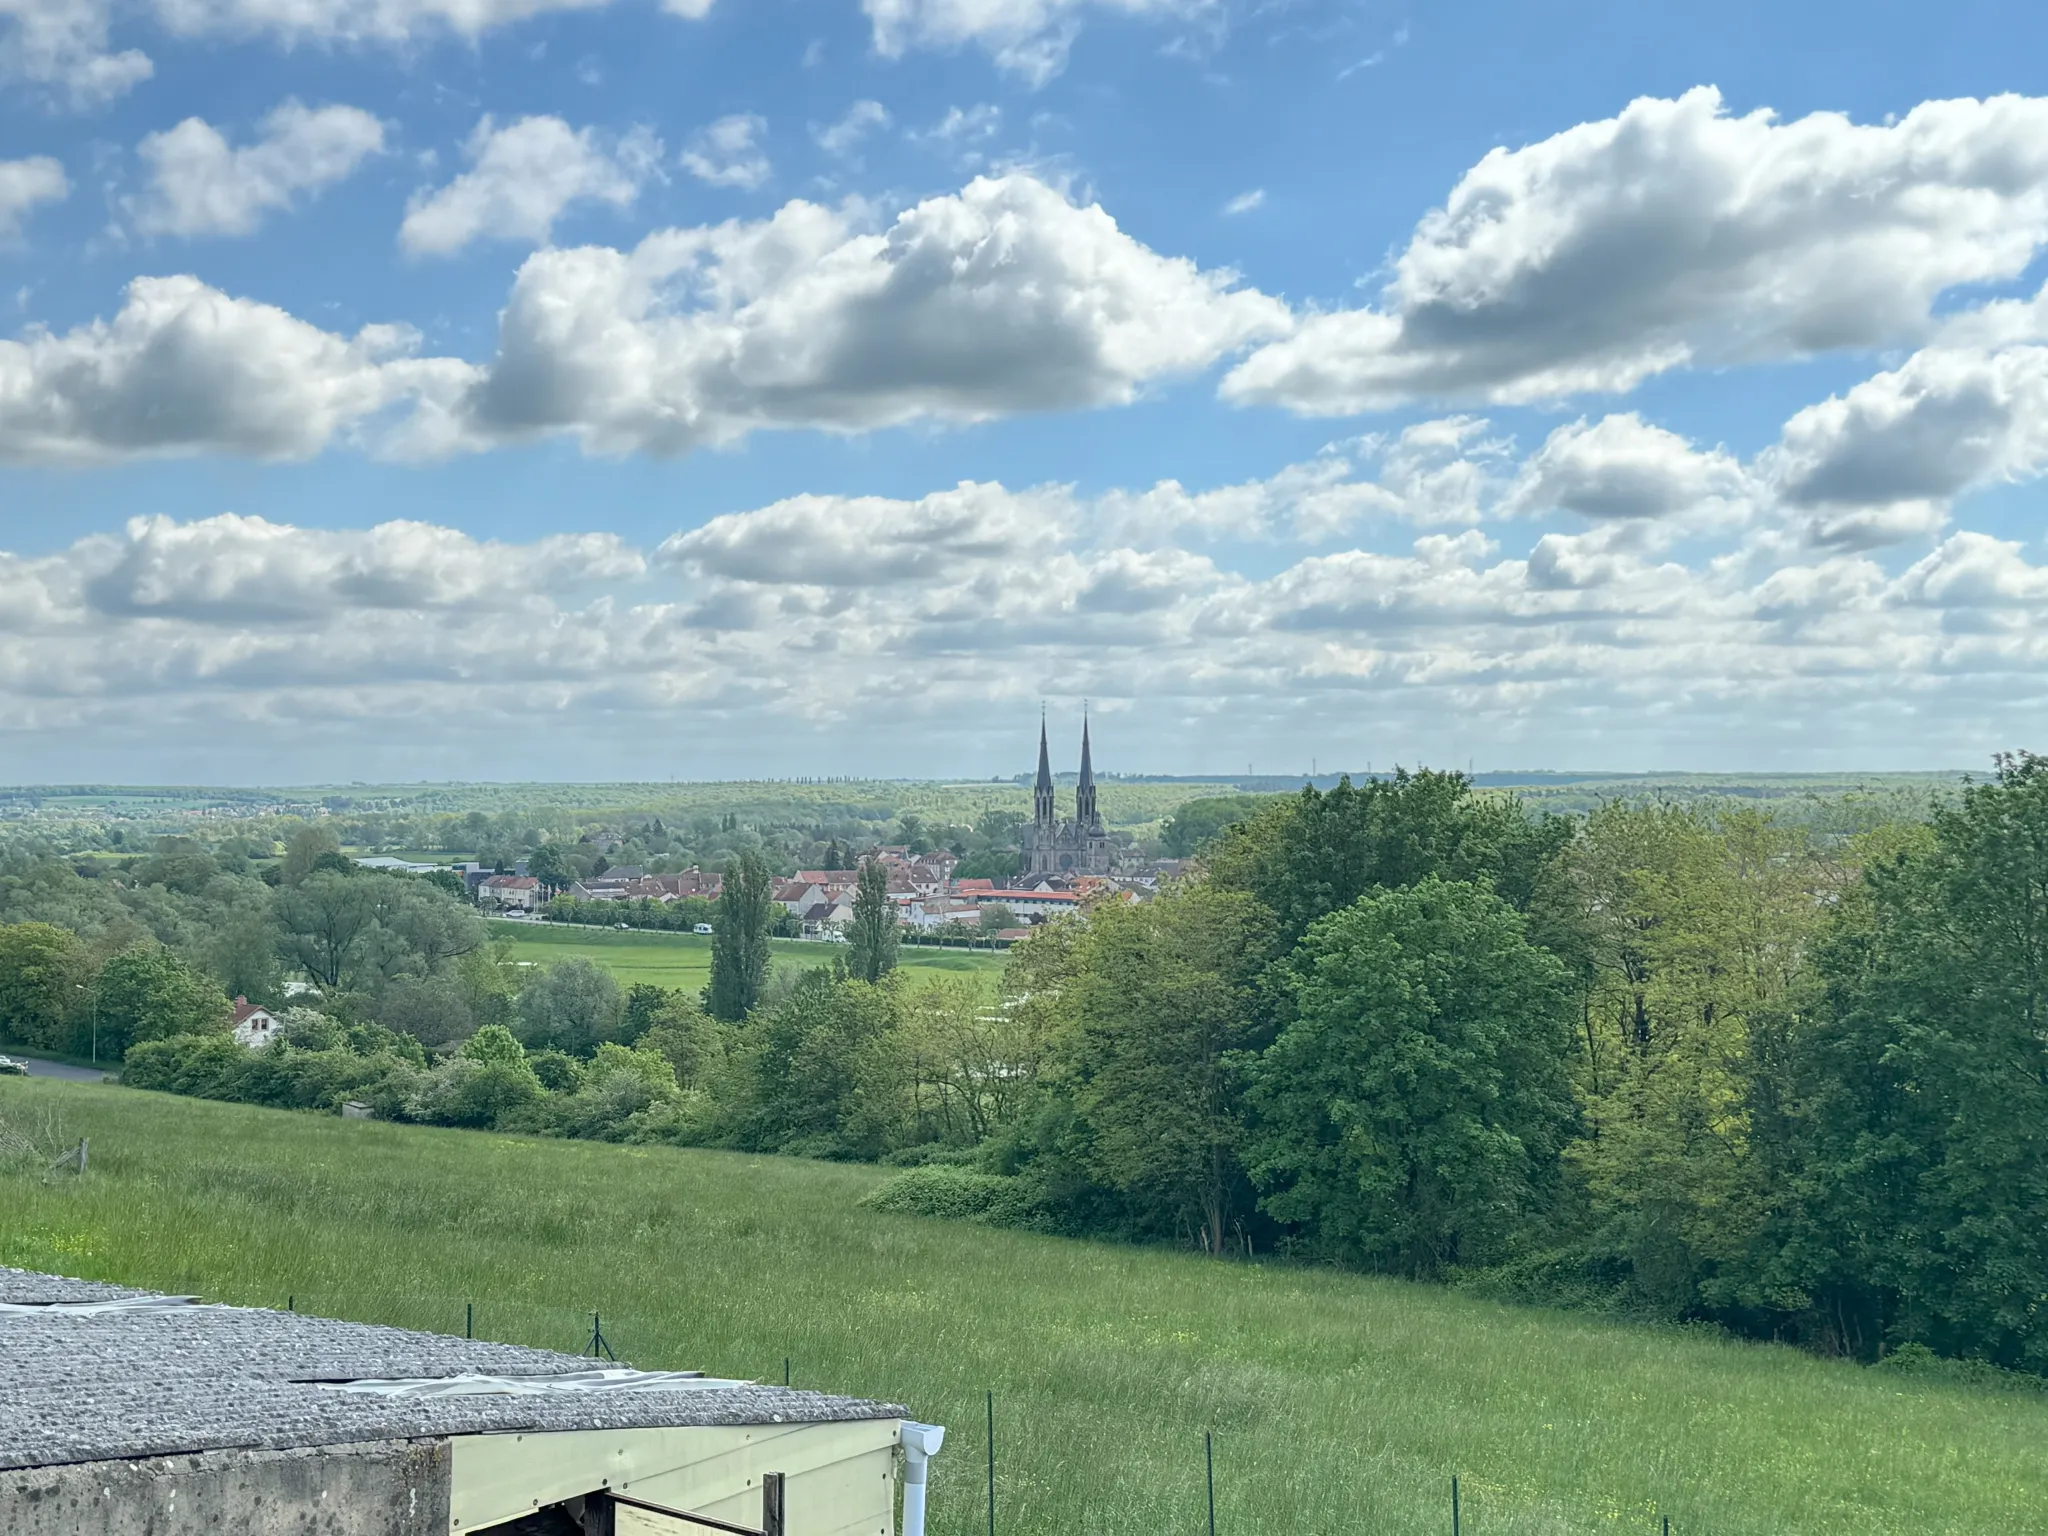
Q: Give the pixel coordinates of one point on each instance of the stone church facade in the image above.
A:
(1080, 846)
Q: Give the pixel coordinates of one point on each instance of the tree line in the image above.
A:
(1692, 1063)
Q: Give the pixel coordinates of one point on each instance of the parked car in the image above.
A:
(701, 928)
(9, 1067)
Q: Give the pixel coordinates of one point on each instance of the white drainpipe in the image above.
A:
(920, 1443)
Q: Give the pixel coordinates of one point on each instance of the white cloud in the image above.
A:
(868, 541)
(1029, 38)
(1675, 233)
(1002, 298)
(728, 153)
(199, 185)
(844, 138)
(1245, 202)
(62, 46)
(521, 179)
(768, 631)
(359, 21)
(186, 369)
(1885, 461)
(1623, 467)
(26, 185)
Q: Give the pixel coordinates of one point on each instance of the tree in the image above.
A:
(994, 917)
(828, 1078)
(546, 865)
(872, 939)
(1412, 1113)
(1314, 853)
(1915, 1161)
(572, 1006)
(1199, 822)
(739, 942)
(148, 993)
(327, 920)
(1162, 1005)
(42, 969)
(303, 848)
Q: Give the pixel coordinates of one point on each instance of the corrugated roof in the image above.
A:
(79, 1383)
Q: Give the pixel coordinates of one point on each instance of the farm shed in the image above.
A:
(128, 1413)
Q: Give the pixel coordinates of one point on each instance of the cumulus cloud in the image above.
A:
(26, 185)
(1676, 233)
(200, 185)
(1005, 297)
(728, 153)
(1028, 38)
(843, 139)
(1623, 467)
(184, 368)
(61, 47)
(522, 177)
(963, 607)
(870, 540)
(1885, 460)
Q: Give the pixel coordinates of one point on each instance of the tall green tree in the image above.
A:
(872, 937)
(148, 993)
(1315, 853)
(572, 1006)
(44, 970)
(1916, 1165)
(1162, 1006)
(739, 939)
(1412, 1113)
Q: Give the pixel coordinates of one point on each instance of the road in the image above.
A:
(70, 1074)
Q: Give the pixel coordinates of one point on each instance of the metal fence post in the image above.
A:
(1454, 1504)
(1209, 1461)
(991, 1464)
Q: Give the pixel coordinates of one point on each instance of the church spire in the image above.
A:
(1084, 789)
(1041, 793)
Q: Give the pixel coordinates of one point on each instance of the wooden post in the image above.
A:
(772, 1510)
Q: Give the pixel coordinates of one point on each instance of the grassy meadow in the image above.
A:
(684, 959)
(1340, 1404)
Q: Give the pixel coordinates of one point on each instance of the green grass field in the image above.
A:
(1340, 1404)
(684, 959)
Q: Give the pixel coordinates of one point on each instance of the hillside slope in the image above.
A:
(1340, 1404)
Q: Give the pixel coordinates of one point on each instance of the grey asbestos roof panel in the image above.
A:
(116, 1385)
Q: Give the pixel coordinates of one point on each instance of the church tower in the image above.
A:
(1086, 821)
(1042, 815)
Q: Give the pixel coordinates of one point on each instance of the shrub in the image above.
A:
(957, 1194)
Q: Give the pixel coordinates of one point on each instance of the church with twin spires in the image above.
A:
(1055, 847)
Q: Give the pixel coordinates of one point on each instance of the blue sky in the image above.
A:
(815, 387)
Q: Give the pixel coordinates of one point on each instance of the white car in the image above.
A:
(701, 928)
(9, 1067)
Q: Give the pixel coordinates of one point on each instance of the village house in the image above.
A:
(254, 1026)
(509, 893)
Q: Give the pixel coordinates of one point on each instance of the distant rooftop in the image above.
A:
(93, 1372)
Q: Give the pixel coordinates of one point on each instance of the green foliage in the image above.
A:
(1411, 1114)
(739, 947)
(825, 1078)
(1199, 822)
(871, 938)
(1163, 1006)
(148, 993)
(571, 1006)
(42, 969)
(960, 1194)
(1315, 853)
(1914, 1127)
